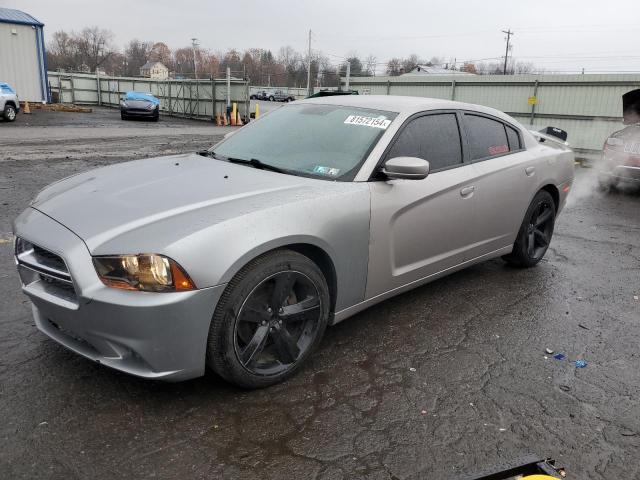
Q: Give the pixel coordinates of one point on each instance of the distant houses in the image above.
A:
(154, 70)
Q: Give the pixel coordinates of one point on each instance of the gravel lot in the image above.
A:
(448, 379)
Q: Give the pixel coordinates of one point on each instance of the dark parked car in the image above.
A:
(139, 104)
(621, 152)
(260, 95)
(280, 96)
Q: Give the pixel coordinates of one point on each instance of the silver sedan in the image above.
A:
(239, 257)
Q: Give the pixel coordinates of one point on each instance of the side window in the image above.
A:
(514, 138)
(487, 137)
(435, 138)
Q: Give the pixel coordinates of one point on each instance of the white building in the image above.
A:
(430, 70)
(155, 70)
(22, 55)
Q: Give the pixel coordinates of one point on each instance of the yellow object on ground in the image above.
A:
(26, 108)
(234, 113)
(539, 477)
(257, 111)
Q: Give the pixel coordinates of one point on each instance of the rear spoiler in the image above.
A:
(554, 134)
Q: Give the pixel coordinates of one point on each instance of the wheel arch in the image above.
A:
(12, 103)
(554, 192)
(318, 254)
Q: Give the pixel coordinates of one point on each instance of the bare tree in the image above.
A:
(394, 67)
(94, 46)
(136, 54)
(370, 64)
(160, 52)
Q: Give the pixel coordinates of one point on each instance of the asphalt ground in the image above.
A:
(443, 381)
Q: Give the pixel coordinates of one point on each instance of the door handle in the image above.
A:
(530, 171)
(466, 192)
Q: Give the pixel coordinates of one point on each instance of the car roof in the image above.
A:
(403, 105)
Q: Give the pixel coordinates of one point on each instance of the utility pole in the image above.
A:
(506, 52)
(348, 75)
(194, 46)
(309, 88)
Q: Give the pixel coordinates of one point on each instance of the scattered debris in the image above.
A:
(423, 412)
(582, 326)
(412, 369)
(635, 297)
(628, 433)
(565, 388)
(549, 351)
(580, 363)
(43, 423)
(502, 429)
(559, 356)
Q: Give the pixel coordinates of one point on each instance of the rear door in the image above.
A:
(506, 180)
(421, 227)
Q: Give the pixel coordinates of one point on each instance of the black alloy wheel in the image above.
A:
(539, 230)
(271, 316)
(535, 232)
(277, 323)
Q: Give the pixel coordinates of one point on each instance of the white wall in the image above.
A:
(19, 63)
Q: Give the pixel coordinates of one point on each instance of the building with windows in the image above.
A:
(154, 70)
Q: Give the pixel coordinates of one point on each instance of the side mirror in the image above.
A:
(409, 168)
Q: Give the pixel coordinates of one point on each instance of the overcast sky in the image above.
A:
(558, 35)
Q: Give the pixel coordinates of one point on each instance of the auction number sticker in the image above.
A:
(375, 122)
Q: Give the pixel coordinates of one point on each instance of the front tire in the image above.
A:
(271, 99)
(9, 113)
(535, 232)
(123, 116)
(270, 318)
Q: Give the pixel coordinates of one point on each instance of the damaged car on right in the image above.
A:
(620, 166)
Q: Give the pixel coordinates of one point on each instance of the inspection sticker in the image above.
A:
(333, 172)
(375, 122)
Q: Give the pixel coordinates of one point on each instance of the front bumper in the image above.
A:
(151, 335)
(140, 112)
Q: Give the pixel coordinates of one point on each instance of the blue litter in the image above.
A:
(580, 363)
(559, 356)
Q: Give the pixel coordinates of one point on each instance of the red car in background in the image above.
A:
(621, 151)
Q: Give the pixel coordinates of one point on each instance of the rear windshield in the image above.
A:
(324, 141)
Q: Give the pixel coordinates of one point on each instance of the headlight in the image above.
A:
(151, 106)
(123, 103)
(146, 272)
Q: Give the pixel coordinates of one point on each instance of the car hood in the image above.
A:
(102, 204)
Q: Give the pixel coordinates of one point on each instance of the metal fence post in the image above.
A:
(228, 90)
(388, 87)
(533, 107)
(99, 88)
(73, 91)
(453, 89)
(248, 100)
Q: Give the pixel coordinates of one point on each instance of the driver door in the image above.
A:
(422, 227)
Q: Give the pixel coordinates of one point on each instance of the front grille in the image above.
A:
(46, 267)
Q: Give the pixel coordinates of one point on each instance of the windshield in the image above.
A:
(325, 141)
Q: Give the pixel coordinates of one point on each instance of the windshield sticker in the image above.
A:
(379, 122)
(332, 172)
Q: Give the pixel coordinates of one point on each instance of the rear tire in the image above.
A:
(270, 318)
(271, 99)
(9, 113)
(535, 232)
(123, 116)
